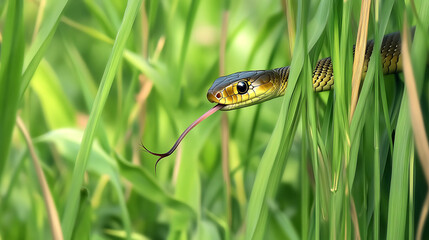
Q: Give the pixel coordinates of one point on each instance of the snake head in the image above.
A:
(244, 89)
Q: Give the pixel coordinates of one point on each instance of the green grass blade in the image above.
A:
(37, 50)
(411, 201)
(284, 221)
(308, 94)
(304, 179)
(272, 163)
(268, 29)
(376, 172)
(58, 111)
(83, 228)
(88, 137)
(98, 13)
(12, 55)
(357, 122)
(147, 186)
(68, 143)
(398, 197)
(187, 34)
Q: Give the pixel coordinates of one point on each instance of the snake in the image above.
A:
(247, 88)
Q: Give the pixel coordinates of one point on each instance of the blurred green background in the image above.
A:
(170, 58)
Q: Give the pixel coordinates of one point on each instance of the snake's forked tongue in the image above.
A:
(200, 119)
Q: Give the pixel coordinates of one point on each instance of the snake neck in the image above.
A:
(323, 77)
(283, 74)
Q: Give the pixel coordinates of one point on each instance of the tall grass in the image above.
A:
(101, 77)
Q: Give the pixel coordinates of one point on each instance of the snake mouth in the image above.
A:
(214, 98)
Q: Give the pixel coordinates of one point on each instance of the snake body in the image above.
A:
(247, 88)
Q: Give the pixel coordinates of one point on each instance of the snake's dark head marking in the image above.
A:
(243, 89)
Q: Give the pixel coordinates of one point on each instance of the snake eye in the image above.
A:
(242, 87)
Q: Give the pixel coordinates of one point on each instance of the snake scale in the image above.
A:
(247, 88)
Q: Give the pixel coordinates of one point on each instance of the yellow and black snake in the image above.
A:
(247, 88)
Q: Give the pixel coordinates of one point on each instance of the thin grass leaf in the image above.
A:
(87, 86)
(304, 179)
(340, 42)
(268, 28)
(12, 54)
(193, 8)
(58, 111)
(422, 219)
(147, 186)
(398, 196)
(68, 144)
(51, 209)
(188, 185)
(356, 124)
(308, 94)
(418, 126)
(284, 221)
(376, 161)
(98, 13)
(84, 226)
(359, 53)
(122, 234)
(34, 55)
(224, 122)
(272, 163)
(221, 223)
(88, 137)
(411, 202)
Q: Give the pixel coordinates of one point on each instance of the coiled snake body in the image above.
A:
(247, 88)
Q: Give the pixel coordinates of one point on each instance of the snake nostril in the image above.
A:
(218, 95)
(212, 98)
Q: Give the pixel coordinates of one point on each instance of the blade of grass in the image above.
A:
(422, 219)
(308, 93)
(12, 54)
(414, 78)
(417, 124)
(40, 11)
(224, 122)
(398, 195)
(272, 22)
(68, 143)
(221, 223)
(51, 209)
(88, 137)
(101, 17)
(193, 8)
(289, 10)
(272, 163)
(54, 10)
(147, 186)
(359, 53)
(57, 109)
(340, 55)
(376, 172)
(420, 47)
(411, 202)
(84, 216)
(284, 221)
(304, 179)
(359, 115)
(86, 84)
